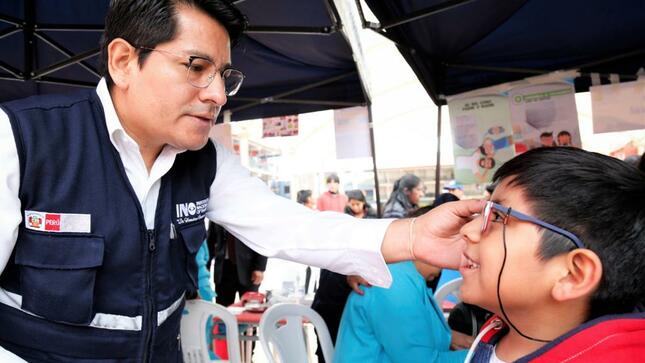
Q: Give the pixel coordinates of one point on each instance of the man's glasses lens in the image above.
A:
(202, 72)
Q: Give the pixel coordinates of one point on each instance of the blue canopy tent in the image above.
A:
(294, 56)
(455, 46)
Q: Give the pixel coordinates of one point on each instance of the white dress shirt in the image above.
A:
(271, 225)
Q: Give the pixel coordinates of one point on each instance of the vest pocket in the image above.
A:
(57, 275)
(193, 236)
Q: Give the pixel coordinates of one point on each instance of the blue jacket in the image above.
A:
(93, 281)
(399, 324)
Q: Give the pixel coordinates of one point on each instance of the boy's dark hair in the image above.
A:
(147, 23)
(598, 198)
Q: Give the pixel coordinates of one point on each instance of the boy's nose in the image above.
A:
(472, 230)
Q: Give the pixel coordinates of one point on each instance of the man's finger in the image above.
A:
(466, 208)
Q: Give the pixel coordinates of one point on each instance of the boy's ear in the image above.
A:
(121, 59)
(581, 277)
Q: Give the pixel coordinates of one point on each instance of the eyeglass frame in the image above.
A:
(191, 58)
(490, 205)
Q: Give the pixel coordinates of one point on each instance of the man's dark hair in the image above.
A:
(303, 195)
(599, 199)
(564, 132)
(147, 23)
(546, 134)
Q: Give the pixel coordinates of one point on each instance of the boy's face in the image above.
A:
(523, 284)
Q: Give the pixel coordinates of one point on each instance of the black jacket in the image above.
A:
(246, 259)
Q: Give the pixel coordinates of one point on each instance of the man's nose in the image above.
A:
(215, 92)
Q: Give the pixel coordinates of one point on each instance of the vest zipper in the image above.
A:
(149, 307)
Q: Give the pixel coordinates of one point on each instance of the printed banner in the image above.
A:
(482, 136)
(618, 107)
(280, 126)
(544, 115)
(351, 126)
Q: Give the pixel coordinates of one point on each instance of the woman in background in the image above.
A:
(405, 197)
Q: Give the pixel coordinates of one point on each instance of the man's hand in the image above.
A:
(437, 240)
(460, 341)
(257, 277)
(355, 282)
(435, 235)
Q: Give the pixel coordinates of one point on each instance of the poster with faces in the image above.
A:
(482, 136)
(544, 115)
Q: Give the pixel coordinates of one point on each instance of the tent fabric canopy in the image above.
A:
(294, 56)
(455, 46)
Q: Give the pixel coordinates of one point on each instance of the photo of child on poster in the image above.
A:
(482, 138)
(544, 115)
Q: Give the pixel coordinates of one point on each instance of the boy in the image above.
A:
(558, 254)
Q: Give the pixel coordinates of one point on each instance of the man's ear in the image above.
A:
(122, 58)
(581, 275)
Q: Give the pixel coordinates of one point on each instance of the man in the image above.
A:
(332, 200)
(103, 196)
(238, 269)
(564, 138)
(546, 139)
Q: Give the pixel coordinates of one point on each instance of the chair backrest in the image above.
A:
(282, 326)
(449, 288)
(196, 328)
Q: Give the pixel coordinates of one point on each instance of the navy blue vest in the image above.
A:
(118, 268)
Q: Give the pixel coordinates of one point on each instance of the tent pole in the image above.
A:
(437, 172)
(376, 184)
(28, 36)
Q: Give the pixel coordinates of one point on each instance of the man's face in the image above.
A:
(310, 203)
(546, 141)
(486, 163)
(523, 284)
(162, 106)
(564, 140)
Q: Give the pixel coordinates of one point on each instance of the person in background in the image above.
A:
(455, 188)
(305, 198)
(405, 197)
(203, 274)
(238, 269)
(332, 200)
(357, 205)
(334, 288)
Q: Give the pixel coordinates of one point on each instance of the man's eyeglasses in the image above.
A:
(492, 209)
(201, 72)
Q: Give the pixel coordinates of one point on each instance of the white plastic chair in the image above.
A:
(288, 339)
(194, 325)
(449, 288)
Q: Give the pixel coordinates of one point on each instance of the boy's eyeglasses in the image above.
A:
(490, 207)
(201, 72)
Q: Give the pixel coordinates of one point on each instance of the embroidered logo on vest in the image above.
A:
(191, 211)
